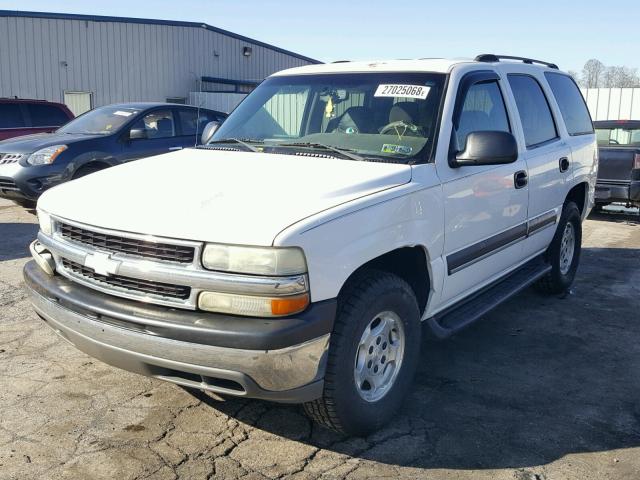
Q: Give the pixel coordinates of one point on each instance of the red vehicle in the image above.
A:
(23, 117)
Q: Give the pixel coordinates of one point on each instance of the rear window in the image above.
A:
(43, 115)
(11, 116)
(535, 114)
(618, 136)
(574, 110)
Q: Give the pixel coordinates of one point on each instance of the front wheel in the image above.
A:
(564, 252)
(373, 353)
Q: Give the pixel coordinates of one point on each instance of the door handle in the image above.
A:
(520, 179)
(173, 149)
(564, 164)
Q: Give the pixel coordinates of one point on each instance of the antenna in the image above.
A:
(195, 142)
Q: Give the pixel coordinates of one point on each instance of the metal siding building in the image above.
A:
(45, 55)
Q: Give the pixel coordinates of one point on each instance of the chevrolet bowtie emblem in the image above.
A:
(101, 263)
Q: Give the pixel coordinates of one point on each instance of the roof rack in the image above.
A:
(490, 58)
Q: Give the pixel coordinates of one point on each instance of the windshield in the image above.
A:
(384, 115)
(618, 136)
(101, 121)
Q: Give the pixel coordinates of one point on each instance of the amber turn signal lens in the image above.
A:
(289, 305)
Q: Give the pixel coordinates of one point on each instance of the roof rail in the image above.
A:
(490, 57)
(341, 61)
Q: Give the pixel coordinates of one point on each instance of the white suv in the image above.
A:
(338, 210)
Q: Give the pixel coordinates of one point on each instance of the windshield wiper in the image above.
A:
(243, 143)
(344, 152)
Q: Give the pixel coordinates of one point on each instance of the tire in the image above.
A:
(86, 170)
(372, 299)
(563, 271)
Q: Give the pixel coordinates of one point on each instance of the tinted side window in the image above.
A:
(157, 124)
(11, 116)
(533, 108)
(191, 123)
(47, 116)
(574, 110)
(483, 109)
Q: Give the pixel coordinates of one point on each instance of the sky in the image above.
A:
(566, 33)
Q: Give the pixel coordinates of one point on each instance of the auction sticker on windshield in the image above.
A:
(407, 91)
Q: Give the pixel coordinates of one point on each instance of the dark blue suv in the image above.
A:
(100, 138)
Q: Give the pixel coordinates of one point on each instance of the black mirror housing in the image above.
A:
(137, 134)
(487, 148)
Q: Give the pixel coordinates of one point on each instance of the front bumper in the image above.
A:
(280, 359)
(27, 182)
(625, 192)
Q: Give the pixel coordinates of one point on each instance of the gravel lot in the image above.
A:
(544, 388)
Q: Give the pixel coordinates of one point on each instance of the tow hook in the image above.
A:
(43, 257)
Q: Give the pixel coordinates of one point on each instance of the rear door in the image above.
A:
(548, 158)
(160, 135)
(485, 208)
(191, 123)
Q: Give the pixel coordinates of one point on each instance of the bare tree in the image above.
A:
(620, 77)
(592, 73)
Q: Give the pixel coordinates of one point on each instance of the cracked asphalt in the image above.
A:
(544, 388)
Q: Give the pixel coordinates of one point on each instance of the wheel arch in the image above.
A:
(579, 195)
(411, 263)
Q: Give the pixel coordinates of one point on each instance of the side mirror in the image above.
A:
(137, 134)
(208, 131)
(487, 148)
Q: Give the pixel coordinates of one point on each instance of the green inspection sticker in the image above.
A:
(397, 149)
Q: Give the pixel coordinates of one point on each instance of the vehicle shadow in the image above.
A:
(15, 239)
(539, 378)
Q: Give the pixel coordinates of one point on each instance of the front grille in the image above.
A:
(9, 158)
(146, 287)
(129, 246)
(8, 184)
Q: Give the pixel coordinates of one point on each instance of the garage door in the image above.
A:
(78, 102)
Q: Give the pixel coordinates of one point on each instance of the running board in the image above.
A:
(457, 317)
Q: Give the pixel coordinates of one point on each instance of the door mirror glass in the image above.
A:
(209, 129)
(488, 148)
(137, 134)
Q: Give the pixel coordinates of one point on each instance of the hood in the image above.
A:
(33, 143)
(217, 196)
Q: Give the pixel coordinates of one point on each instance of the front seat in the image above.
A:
(165, 128)
(353, 120)
(406, 112)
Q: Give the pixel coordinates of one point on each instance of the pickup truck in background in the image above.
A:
(619, 162)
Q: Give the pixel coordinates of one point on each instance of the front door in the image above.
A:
(153, 134)
(485, 206)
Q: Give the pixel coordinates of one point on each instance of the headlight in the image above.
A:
(44, 219)
(272, 261)
(46, 156)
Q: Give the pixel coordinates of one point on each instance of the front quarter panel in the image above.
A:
(339, 241)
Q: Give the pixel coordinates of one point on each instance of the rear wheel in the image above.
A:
(564, 252)
(373, 355)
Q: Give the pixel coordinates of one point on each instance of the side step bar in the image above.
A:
(455, 318)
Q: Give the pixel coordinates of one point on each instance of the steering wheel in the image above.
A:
(402, 129)
(613, 142)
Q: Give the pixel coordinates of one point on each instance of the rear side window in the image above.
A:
(11, 115)
(483, 110)
(533, 108)
(193, 122)
(47, 115)
(574, 110)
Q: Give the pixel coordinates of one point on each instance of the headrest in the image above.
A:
(406, 112)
